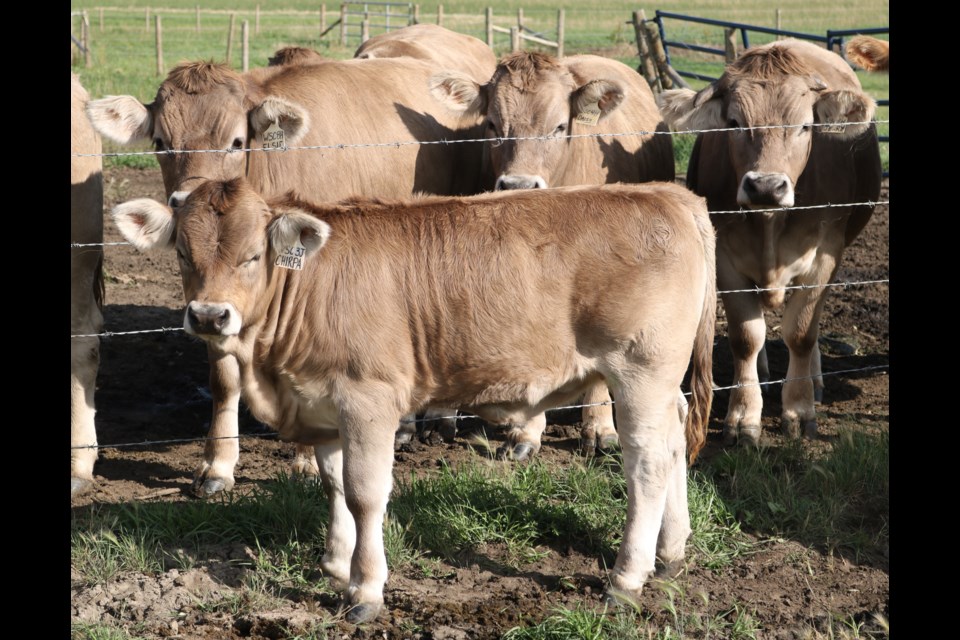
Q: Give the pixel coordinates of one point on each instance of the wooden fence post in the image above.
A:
(729, 44)
(489, 13)
(520, 19)
(256, 24)
(159, 47)
(323, 18)
(198, 18)
(365, 30)
(439, 15)
(514, 39)
(416, 14)
(343, 24)
(659, 55)
(560, 31)
(245, 40)
(233, 19)
(647, 68)
(85, 39)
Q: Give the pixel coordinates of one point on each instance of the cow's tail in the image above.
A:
(701, 375)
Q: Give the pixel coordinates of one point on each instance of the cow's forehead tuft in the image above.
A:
(201, 77)
(768, 63)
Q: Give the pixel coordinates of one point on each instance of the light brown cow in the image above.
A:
(442, 48)
(203, 106)
(869, 53)
(86, 286)
(343, 318)
(545, 99)
(819, 148)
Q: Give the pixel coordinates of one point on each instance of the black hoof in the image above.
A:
(818, 395)
(448, 430)
(361, 613)
(208, 487)
(730, 435)
(669, 570)
(750, 436)
(402, 438)
(810, 429)
(523, 451)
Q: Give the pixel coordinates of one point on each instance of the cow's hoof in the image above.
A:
(79, 486)
(208, 487)
(402, 438)
(608, 444)
(669, 570)
(518, 452)
(810, 429)
(614, 599)
(448, 430)
(750, 435)
(361, 613)
(818, 395)
(790, 427)
(730, 435)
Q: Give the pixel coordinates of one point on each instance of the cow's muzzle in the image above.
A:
(507, 183)
(211, 319)
(765, 190)
(177, 198)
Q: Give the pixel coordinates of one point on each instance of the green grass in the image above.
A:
(85, 631)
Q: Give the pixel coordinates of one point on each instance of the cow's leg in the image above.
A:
(84, 362)
(801, 318)
(598, 433)
(304, 462)
(440, 419)
(746, 330)
(222, 450)
(367, 480)
(763, 370)
(523, 441)
(648, 419)
(406, 430)
(817, 372)
(341, 532)
(675, 529)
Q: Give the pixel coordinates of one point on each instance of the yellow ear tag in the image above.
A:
(291, 257)
(589, 116)
(273, 137)
(832, 127)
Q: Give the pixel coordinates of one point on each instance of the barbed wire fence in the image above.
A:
(874, 369)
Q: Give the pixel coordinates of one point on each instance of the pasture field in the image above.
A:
(790, 542)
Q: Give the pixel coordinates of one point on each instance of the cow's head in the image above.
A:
(531, 95)
(768, 87)
(200, 106)
(227, 241)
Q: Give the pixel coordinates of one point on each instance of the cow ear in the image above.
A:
(145, 223)
(123, 119)
(459, 93)
(289, 116)
(686, 110)
(837, 108)
(294, 227)
(606, 94)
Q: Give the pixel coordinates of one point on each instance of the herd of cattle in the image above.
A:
(341, 289)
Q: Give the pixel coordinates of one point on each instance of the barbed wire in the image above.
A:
(463, 416)
(111, 334)
(498, 140)
(866, 203)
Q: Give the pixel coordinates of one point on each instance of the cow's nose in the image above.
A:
(177, 198)
(209, 322)
(767, 189)
(507, 183)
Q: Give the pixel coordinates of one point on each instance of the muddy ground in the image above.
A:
(154, 387)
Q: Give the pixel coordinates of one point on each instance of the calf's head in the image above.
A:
(228, 243)
(764, 89)
(531, 95)
(200, 106)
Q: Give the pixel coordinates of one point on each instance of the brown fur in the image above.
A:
(767, 64)
(869, 53)
(523, 67)
(200, 77)
(295, 55)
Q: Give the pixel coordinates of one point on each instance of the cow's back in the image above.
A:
(436, 45)
(379, 110)
(619, 158)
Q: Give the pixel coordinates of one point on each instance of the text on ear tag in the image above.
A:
(291, 257)
(589, 116)
(273, 137)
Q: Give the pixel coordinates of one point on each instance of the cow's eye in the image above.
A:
(237, 144)
(184, 260)
(805, 129)
(733, 124)
(253, 259)
(158, 144)
(560, 130)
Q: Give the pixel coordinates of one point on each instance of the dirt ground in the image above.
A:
(153, 386)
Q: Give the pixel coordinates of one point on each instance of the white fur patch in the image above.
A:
(678, 111)
(123, 119)
(458, 92)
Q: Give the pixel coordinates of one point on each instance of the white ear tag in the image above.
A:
(291, 257)
(273, 137)
(589, 116)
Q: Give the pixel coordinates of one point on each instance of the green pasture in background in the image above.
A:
(124, 60)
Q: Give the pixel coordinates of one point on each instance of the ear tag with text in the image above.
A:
(291, 257)
(832, 127)
(589, 116)
(273, 137)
